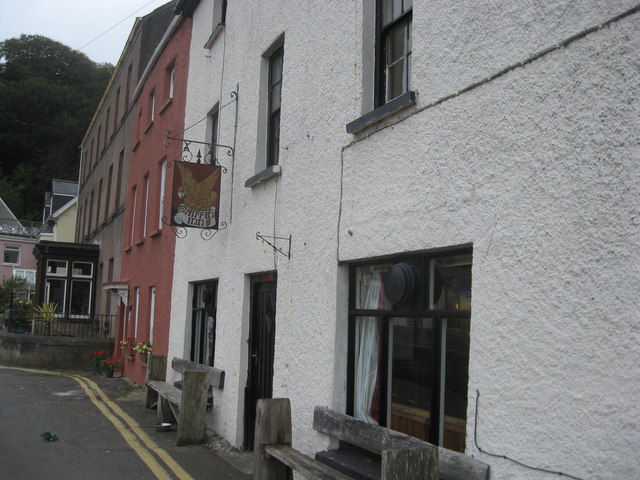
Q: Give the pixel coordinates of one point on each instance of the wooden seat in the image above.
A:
(186, 406)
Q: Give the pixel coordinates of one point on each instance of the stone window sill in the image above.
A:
(403, 101)
(263, 176)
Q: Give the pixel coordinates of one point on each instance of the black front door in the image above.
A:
(262, 332)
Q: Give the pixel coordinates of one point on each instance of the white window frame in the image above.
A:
(11, 248)
(66, 268)
(146, 206)
(163, 181)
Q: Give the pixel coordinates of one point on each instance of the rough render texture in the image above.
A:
(537, 169)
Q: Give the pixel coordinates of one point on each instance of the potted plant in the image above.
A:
(46, 315)
(143, 349)
(110, 365)
(98, 358)
(127, 346)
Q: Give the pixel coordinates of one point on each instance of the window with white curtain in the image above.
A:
(409, 344)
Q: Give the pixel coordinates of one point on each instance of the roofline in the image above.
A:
(173, 26)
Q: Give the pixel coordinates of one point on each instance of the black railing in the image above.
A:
(79, 326)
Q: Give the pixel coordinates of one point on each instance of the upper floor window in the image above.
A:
(275, 91)
(11, 255)
(152, 106)
(219, 20)
(394, 18)
(170, 80)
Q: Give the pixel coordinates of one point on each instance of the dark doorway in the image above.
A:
(262, 331)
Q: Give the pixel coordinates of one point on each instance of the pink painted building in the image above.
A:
(17, 240)
(148, 243)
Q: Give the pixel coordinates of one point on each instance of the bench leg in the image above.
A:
(193, 408)
(150, 397)
(165, 412)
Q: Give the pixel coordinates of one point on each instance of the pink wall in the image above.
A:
(27, 260)
(147, 261)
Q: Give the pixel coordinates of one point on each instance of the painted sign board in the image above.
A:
(195, 199)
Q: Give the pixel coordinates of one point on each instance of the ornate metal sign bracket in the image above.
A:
(272, 245)
(209, 157)
(205, 233)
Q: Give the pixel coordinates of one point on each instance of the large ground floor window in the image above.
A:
(409, 324)
(203, 324)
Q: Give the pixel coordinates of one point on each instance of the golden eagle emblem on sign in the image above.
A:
(196, 196)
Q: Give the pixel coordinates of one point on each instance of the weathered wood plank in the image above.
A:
(304, 465)
(452, 465)
(193, 407)
(156, 370)
(216, 375)
(410, 463)
(273, 426)
(171, 393)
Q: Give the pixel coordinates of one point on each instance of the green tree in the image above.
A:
(48, 94)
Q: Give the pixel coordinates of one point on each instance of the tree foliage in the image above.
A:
(48, 94)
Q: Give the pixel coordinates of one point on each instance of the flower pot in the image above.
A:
(108, 372)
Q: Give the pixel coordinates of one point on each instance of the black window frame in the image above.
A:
(273, 116)
(419, 310)
(199, 325)
(384, 31)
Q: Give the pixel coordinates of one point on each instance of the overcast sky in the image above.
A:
(76, 23)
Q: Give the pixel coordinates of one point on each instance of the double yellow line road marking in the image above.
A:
(163, 466)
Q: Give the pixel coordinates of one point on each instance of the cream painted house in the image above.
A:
(455, 222)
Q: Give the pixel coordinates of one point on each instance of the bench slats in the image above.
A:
(167, 391)
(452, 465)
(306, 466)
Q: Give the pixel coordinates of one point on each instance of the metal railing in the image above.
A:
(79, 326)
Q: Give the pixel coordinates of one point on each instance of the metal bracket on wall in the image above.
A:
(272, 245)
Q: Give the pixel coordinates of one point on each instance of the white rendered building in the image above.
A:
(457, 222)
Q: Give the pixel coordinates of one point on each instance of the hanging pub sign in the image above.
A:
(195, 199)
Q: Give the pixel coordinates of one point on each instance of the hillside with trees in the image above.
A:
(48, 94)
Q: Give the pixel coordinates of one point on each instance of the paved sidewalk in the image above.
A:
(102, 431)
(196, 459)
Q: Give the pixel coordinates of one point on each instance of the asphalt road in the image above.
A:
(102, 434)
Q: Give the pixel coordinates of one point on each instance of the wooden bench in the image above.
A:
(386, 454)
(186, 406)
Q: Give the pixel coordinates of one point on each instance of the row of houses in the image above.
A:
(421, 214)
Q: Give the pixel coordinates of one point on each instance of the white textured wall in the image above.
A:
(538, 169)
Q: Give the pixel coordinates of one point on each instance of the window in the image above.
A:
(80, 297)
(106, 126)
(55, 292)
(98, 206)
(116, 206)
(116, 115)
(134, 196)
(409, 324)
(203, 323)
(137, 311)
(394, 49)
(90, 224)
(57, 268)
(214, 118)
(146, 206)
(127, 94)
(11, 255)
(107, 202)
(171, 77)
(152, 312)
(219, 20)
(275, 91)
(163, 181)
(82, 269)
(152, 106)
